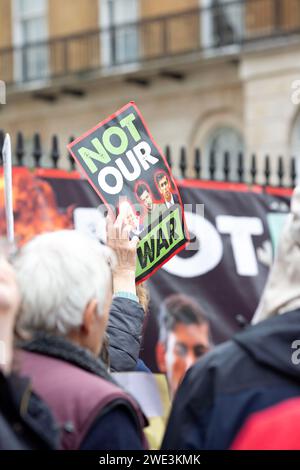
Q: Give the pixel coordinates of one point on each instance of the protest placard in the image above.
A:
(130, 174)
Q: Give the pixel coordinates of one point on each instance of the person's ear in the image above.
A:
(89, 316)
(160, 351)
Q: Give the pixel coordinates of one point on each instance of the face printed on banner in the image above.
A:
(146, 199)
(185, 344)
(165, 188)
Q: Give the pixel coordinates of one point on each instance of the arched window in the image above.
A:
(221, 140)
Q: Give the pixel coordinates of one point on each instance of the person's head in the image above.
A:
(66, 287)
(164, 186)
(282, 290)
(184, 336)
(145, 197)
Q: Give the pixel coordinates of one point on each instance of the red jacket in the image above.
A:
(276, 428)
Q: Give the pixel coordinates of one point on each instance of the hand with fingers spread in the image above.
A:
(125, 249)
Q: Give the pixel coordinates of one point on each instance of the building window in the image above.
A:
(30, 30)
(221, 23)
(120, 38)
(220, 141)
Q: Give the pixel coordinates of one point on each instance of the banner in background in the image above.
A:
(233, 248)
(128, 171)
(232, 245)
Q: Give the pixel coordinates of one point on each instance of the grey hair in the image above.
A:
(59, 273)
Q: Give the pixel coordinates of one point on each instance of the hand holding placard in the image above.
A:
(117, 235)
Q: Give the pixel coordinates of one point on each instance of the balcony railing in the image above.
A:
(206, 31)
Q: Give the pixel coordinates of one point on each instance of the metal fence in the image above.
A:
(279, 172)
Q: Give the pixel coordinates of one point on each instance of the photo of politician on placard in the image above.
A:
(151, 208)
(130, 174)
(164, 186)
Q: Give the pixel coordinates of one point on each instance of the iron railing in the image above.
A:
(228, 167)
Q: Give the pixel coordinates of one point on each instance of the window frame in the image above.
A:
(105, 40)
(18, 40)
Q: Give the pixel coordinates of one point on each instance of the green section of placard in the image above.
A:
(165, 236)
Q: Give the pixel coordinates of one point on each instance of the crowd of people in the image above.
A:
(71, 315)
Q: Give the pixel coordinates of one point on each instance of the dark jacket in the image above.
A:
(124, 329)
(25, 421)
(249, 373)
(125, 333)
(92, 410)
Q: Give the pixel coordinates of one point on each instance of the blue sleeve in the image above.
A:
(115, 430)
(141, 367)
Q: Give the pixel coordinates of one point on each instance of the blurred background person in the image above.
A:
(254, 370)
(184, 336)
(65, 279)
(25, 421)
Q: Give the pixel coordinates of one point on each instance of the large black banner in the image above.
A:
(225, 266)
(233, 247)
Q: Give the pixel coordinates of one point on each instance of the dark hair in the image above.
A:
(160, 176)
(179, 308)
(141, 188)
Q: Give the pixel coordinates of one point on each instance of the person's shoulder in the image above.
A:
(36, 426)
(115, 429)
(220, 362)
(218, 355)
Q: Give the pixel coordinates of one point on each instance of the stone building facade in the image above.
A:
(219, 75)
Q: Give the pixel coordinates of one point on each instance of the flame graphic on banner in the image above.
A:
(35, 207)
